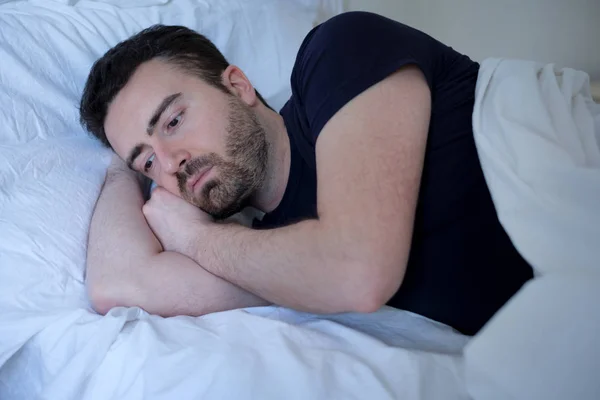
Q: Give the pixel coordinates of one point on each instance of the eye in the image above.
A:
(174, 122)
(149, 163)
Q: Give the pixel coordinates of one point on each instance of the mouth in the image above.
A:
(197, 180)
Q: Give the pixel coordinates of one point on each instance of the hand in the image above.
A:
(175, 222)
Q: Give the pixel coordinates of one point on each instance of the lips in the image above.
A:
(196, 179)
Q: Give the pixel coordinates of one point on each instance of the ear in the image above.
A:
(234, 79)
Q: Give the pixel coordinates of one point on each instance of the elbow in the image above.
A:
(122, 285)
(101, 299)
(371, 301)
(375, 285)
(105, 296)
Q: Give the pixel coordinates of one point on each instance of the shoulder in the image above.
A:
(364, 34)
(344, 32)
(353, 24)
(346, 55)
(352, 45)
(358, 39)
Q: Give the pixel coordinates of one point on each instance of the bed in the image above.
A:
(54, 346)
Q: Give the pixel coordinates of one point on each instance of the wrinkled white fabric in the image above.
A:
(537, 132)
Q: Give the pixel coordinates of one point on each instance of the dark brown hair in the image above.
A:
(178, 45)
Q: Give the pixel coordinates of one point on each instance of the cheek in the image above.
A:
(207, 137)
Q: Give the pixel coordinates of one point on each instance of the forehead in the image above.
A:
(131, 109)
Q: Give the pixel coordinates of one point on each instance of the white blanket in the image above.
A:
(537, 132)
(262, 353)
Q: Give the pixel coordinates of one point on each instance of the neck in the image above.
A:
(278, 166)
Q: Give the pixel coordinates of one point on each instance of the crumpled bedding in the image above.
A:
(537, 132)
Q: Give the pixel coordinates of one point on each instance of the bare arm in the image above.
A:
(126, 265)
(353, 257)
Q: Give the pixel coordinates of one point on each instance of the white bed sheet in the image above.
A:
(263, 353)
(52, 346)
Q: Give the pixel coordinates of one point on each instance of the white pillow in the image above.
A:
(48, 48)
(51, 170)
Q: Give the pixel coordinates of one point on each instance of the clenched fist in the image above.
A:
(176, 223)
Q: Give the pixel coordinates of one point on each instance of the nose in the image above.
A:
(175, 160)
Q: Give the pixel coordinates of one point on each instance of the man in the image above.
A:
(368, 178)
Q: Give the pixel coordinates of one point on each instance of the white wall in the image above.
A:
(564, 32)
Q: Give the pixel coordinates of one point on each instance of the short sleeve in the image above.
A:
(347, 54)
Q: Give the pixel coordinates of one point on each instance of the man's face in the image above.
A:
(191, 138)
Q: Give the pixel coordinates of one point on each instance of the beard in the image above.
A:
(239, 175)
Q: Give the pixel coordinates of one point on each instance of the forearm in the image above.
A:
(171, 284)
(119, 235)
(127, 267)
(302, 266)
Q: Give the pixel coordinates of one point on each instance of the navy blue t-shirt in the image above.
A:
(462, 266)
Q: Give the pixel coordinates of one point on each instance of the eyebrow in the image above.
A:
(133, 154)
(137, 150)
(159, 111)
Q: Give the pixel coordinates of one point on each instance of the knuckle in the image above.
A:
(159, 193)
